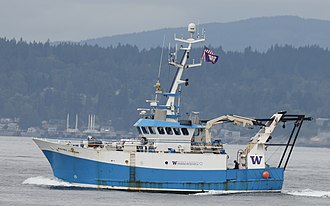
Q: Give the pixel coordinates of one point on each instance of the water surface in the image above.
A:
(26, 179)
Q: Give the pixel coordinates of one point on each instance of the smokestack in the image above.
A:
(94, 122)
(89, 122)
(67, 121)
(76, 127)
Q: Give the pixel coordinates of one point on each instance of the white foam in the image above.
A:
(51, 181)
(309, 193)
(214, 192)
(54, 182)
(46, 181)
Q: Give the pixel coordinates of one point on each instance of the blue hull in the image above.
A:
(78, 170)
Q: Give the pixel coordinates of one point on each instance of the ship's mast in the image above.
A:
(182, 66)
(170, 111)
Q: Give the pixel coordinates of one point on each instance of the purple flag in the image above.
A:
(209, 56)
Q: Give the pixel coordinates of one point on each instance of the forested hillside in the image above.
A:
(41, 82)
(260, 33)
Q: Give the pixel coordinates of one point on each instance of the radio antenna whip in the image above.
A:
(157, 85)
(161, 59)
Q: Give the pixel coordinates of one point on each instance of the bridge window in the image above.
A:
(169, 130)
(139, 130)
(151, 130)
(144, 130)
(184, 131)
(161, 130)
(177, 131)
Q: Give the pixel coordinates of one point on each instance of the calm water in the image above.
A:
(26, 179)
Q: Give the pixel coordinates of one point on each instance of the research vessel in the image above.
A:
(172, 154)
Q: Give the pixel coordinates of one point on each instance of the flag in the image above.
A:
(209, 56)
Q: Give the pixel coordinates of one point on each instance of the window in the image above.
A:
(139, 130)
(169, 130)
(177, 131)
(144, 130)
(161, 130)
(184, 131)
(151, 130)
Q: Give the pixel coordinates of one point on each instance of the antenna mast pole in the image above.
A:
(182, 66)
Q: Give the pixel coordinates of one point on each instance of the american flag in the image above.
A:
(209, 56)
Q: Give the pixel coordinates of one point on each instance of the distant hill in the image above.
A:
(259, 33)
(43, 82)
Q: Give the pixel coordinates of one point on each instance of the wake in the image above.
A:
(308, 193)
(305, 193)
(52, 182)
(213, 192)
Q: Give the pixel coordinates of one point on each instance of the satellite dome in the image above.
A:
(192, 28)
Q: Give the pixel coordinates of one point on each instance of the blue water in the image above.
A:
(26, 179)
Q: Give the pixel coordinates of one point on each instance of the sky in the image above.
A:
(75, 20)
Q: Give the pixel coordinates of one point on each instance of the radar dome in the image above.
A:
(192, 28)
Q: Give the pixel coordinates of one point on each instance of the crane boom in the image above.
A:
(237, 120)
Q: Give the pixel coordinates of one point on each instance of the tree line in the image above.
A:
(40, 81)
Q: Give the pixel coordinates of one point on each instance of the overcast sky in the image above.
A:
(74, 20)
